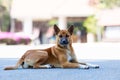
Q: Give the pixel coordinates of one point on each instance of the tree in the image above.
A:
(110, 3)
(90, 24)
(4, 17)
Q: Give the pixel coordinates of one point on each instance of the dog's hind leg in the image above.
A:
(38, 66)
(42, 57)
(41, 63)
(47, 66)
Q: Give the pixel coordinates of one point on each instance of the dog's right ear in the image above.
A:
(70, 30)
(56, 29)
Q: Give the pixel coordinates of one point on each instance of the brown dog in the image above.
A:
(61, 55)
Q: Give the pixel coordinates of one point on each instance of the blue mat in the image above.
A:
(109, 70)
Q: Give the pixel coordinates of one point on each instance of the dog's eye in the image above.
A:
(60, 36)
(67, 35)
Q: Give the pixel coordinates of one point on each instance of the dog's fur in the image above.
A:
(61, 55)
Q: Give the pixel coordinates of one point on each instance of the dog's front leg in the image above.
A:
(89, 65)
(67, 64)
(74, 65)
(92, 65)
(86, 64)
(74, 60)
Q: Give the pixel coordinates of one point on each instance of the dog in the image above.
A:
(61, 55)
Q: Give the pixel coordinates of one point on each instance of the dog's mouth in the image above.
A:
(62, 46)
(64, 41)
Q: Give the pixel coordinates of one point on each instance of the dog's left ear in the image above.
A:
(71, 29)
(56, 29)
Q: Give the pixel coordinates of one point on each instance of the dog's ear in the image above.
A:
(71, 29)
(56, 29)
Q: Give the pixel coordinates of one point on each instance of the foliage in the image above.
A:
(6, 21)
(90, 24)
(52, 22)
(5, 16)
(110, 3)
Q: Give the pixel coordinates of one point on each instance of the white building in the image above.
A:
(28, 10)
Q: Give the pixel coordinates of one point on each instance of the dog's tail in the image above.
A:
(19, 63)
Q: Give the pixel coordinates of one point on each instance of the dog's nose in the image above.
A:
(64, 41)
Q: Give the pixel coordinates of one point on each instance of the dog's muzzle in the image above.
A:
(64, 41)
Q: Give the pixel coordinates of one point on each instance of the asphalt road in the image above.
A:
(109, 70)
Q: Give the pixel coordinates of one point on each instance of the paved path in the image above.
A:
(109, 70)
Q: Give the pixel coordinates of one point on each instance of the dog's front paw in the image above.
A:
(92, 65)
(84, 67)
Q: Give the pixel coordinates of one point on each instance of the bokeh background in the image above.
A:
(28, 24)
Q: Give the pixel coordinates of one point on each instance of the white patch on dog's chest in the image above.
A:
(68, 55)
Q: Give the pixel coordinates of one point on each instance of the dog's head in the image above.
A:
(63, 37)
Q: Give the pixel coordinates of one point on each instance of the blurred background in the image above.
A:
(30, 22)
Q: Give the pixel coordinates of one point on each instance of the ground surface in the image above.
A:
(109, 70)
